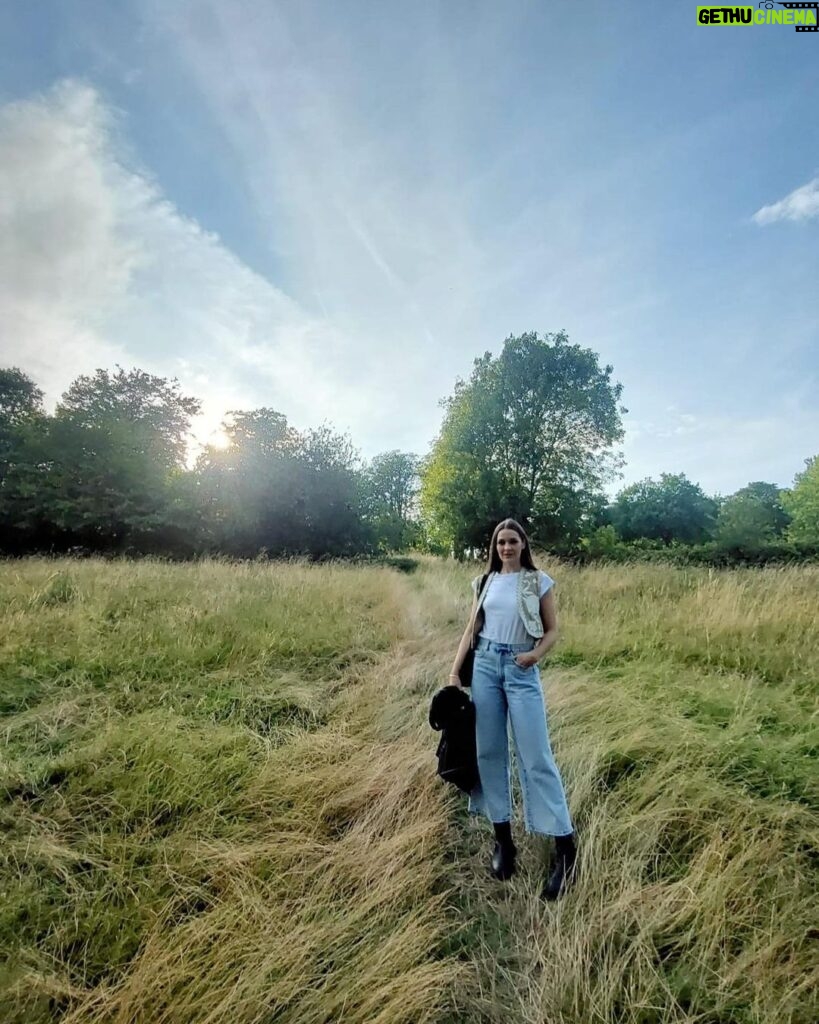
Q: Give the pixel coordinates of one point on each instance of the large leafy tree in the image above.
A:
(327, 487)
(529, 434)
(669, 509)
(155, 410)
(103, 472)
(89, 485)
(752, 517)
(21, 418)
(393, 480)
(20, 398)
(276, 489)
(802, 503)
(391, 489)
(21, 402)
(121, 440)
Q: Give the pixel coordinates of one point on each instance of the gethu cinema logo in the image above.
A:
(803, 16)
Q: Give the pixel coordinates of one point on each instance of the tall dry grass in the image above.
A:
(220, 801)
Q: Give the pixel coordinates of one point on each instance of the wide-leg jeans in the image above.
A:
(502, 693)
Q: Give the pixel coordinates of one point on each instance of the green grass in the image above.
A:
(167, 748)
(218, 800)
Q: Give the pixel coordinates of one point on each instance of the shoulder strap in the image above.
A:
(473, 620)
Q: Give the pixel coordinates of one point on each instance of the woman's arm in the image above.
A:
(463, 646)
(548, 616)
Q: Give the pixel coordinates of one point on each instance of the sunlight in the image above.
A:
(206, 431)
(218, 439)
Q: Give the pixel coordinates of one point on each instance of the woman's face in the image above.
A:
(509, 545)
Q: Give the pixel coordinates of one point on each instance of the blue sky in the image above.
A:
(333, 208)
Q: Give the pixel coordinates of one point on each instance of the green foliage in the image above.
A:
(529, 436)
(279, 491)
(671, 509)
(802, 503)
(390, 484)
(154, 409)
(393, 480)
(751, 519)
(565, 515)
(21, 402)
(602, 543)
(99, 472)
(96, 483)
(20, 398)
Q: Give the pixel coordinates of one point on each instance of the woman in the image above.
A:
(515, 622)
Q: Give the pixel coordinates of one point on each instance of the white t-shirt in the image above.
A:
(502, 622)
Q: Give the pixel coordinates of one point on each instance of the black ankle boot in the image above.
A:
(564, 872)
(503, 856)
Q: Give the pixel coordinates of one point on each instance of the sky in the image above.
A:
(332, 209)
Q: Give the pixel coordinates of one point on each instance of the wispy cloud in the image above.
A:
(97, 267)
(801, 204)
(723, 453)
(339, 184)
(64, 264)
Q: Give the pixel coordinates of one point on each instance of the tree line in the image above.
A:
(106, 473)
(531, 433)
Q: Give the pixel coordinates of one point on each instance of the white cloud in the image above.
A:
(801, 204)
(723, 453)
(97, 267)
(375, 238)
(63, 263)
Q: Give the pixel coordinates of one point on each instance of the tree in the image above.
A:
(322, 448)
(156, 411)
(330, 494)
(256, 434)
(802, 503)
(73, 484)
(21, 401)
(278, 490)
(102, 471)
(393, 482)
(671, 509)
(20, 398)
(526, 430)
(391, 488)
(751, 518)
(21, 416)
(565, 515)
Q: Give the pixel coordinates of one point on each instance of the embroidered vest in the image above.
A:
(528, 602)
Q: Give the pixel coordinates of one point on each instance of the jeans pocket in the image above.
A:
(525, 675)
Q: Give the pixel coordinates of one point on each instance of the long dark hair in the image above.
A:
(494, 562)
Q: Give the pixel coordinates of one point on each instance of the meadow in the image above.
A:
(218, 800)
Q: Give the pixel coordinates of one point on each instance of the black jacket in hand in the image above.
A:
(452, 714)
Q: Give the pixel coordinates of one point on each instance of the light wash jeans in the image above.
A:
(500, 686)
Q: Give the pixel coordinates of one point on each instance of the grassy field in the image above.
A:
(218, 800)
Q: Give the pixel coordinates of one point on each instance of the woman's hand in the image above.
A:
(455, 681)
(526, 660)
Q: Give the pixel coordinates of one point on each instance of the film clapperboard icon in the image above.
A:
(813, 5)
